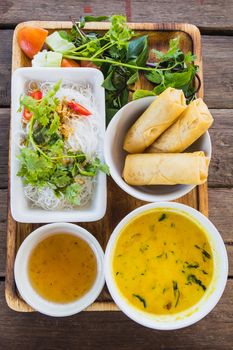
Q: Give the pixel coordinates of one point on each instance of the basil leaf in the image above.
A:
(85, 19)
(178, 80)
(154, 77)
(107, 84)
(124, 96)
(133, 78)
(160, 88)
(142, 93)
(64, 35)
(137, 52)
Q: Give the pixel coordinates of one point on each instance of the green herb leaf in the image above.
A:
(34, 169)
(64, 35)
(178, 80)
(205, 254)
(154, 76)
(119, 32)
(141, 299)
(110, 112)
(176, 292)
(142, 93)
(192, 266)
(194, 279)
(85, 19)
(162, 217)
(107, 84)
(133, 78)
(137, 52)
(55, 123)
(72, 193)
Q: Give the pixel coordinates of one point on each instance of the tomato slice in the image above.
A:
(27, 114)
(37, 95)
(78, 108)
(31, 40)
(66, 62)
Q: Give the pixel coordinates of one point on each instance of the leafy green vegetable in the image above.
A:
(194, 279)
(119, 33)
(121, 56)
(176, 292)
(44, 161)
(173, 69)
(205, 254)
(192, 265)
(137, 52)
(116, 53)
(141, 299)
(34, 169)
(85, 19)
(72, 193)
(142, 93)
(162, 217)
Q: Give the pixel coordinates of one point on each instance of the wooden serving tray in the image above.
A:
(119, 203)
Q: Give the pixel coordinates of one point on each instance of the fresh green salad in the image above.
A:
(56, 169)
(119, 52)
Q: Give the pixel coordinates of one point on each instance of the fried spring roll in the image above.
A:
(166, 169)
(192, 123)
(162, 112)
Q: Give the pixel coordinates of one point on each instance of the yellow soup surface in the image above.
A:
(162, 262)
(62, 268)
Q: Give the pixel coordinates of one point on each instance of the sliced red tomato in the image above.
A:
(78, 108)
(66, 62)
(31, 40)
(27, 114)
(37, 95)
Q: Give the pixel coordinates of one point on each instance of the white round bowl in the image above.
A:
(115, 154)
(213, 292)
(22, 279)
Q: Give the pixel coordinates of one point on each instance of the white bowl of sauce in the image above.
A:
(59, 269)
(166, 265)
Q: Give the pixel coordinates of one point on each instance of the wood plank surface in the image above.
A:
(107, 330)
(5, 66)
(217, 59)
(221, 166)
(4, 140)
(207, 14)
(217, 52)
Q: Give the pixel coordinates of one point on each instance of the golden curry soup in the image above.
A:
(162, 262)
(62, 268)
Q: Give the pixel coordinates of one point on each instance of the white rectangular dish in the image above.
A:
(21, 209)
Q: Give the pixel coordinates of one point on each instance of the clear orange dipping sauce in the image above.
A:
(62, 268)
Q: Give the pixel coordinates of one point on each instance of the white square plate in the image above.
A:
(21, 209)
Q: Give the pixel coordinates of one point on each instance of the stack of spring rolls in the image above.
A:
(160, 134)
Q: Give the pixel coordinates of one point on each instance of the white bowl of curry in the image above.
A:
(166, 265)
